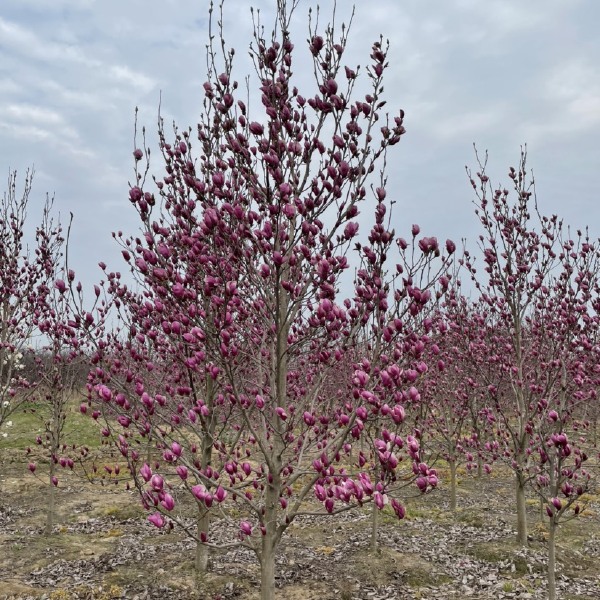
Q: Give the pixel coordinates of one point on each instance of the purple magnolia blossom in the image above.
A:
(157, 520)
(168, 502)
(146, 472)
(245, 528)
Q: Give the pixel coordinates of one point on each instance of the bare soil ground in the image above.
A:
(103, 549)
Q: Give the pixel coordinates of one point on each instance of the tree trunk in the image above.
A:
(543, 514)
(202, 523)
(479, 467)
(552, 560)
(50, 509)
(267, 568)
(452, 485)
(270, 521)
(374, 528)
(203, 519)
(270, 539)
(521, 512)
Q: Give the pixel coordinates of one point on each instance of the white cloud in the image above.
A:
(24, 112)
(9, 87)
(54, 6)
(123, 74)
(24, 132)
(467, 125)
(22, 41)
(570, 97)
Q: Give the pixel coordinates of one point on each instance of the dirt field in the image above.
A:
(103, 548)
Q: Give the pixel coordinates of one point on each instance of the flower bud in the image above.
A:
(157, 520)
(245, 528)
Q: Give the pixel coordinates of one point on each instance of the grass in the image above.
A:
(495, 552)
(123, 512)
(471, 516)
(26, 425)
(389, 565)
(100, 593)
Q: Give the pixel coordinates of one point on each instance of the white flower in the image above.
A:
(9, 423)
(5, 404)
(5, 435)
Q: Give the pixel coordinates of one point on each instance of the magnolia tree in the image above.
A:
(169, 391)
(60, 366)
(26, 278)
(21, 278)
(397, 337)
(562, 327)
(459, 394)
(245, 251)
(542, 288)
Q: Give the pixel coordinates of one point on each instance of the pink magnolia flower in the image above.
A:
(421, 483)
(218, 179)
(199, 491)
(398, 414)
(308, 419)
(156, 519)
(245, 528)
(428, 245)
(366, 483)
(220, 494)
(157, 482)
(135, 194)
(104, 393)
(350, 230)
(320, 492)
(413, 446)
(553, 416)
(360, 378)
(176, 449)
(146, 472)
(413, 394)
(361, 413)
(168, 502)
(380, 500)
(398, 508)
(124, 421)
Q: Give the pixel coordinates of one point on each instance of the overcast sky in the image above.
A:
(499, 73)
